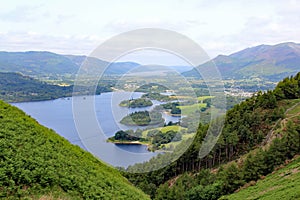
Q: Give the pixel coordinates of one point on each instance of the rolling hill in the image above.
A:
(15, 87)
(271, 62)
(116, 68)
(36, 63)
(48, 65)
(37, 163)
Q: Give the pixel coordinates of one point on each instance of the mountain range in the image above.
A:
(260, 136)
(273, 62)
(47, 64)
(270, 62)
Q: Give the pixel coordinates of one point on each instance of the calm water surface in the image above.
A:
(57, 115)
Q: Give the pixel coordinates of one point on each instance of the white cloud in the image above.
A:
(31, 41)
(221, 27)
(19, 14)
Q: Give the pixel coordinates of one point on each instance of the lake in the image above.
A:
(57, 115)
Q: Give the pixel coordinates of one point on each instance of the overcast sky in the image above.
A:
(218, 26)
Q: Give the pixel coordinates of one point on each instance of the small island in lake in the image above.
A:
(143, 118)
(155, 139)
(136, 103)
(127, 137)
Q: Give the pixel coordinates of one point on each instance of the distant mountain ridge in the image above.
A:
(266, 61)
(34, 63)
(273, 62)
(113, 68)
(47, 64)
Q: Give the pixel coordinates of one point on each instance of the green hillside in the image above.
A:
(36, 163)
(282, 184)
(15, 87)
(258, 135)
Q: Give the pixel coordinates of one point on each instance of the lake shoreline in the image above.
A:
(124, 142)
(57, 114)
(128, 142)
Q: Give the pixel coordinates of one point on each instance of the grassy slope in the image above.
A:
(35, 162)
(164, 129)
(282, 184)
(295, 110)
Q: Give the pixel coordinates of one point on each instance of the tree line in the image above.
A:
(246, 126)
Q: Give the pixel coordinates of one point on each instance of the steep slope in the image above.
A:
(36, 163)
(247, 128)
(281, 184)
(272, 62)
(15, 87)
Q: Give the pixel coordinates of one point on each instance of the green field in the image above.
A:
(205, 97)
(164, 129)
(282, 185)
(186, 110)
(170, 128)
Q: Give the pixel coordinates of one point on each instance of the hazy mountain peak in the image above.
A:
(267, 61)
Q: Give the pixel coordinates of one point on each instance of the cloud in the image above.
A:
(221, 27)
(122, 25)
(31, 41)
(279, 24)
(23, 13)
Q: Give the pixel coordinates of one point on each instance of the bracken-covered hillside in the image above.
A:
(35, 163)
